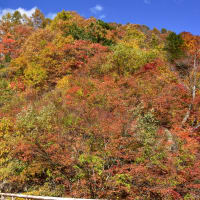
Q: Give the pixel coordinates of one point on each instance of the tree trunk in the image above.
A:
(194, 77)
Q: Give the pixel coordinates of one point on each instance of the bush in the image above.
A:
(5, 92)
(35, 75)
(126, 59)
(29, 120)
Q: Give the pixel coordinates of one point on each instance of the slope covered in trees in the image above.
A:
(98, 110)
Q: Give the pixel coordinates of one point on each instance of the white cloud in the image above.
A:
(96, 9)
(51, 15)
(21, 10)
(24, 11)
(147, 1)
(102, 16)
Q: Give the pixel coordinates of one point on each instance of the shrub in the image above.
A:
(35, 75)
(126, 59)
(31, 121)
(5, 92)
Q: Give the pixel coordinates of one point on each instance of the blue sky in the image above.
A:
(175, 15)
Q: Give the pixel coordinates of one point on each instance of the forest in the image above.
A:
(98, 110)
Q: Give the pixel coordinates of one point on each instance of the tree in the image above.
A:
(174, 46)
(8, 47)
(192, 48)
(163, 30)
(16, 17)
(38, 19)
(27, 20)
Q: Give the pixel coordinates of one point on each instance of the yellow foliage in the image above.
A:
(134, 38)
(6, 139)
(35, 75)
(60, 41)
(127, 58)
(64, 83)
(19, 64)
(37, 41)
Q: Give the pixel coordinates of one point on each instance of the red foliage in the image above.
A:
(82, 52)
(18, 85)
(150, 66)
(7, 45)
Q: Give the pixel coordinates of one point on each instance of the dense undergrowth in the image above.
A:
(98, 110)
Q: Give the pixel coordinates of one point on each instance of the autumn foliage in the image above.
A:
(90, 109)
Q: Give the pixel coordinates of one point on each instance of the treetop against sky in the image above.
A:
(175, 15)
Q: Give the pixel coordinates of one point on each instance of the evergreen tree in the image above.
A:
(174, 46)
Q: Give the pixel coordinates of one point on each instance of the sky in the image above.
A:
(174, 15)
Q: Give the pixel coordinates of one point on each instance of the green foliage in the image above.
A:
(94, 34)
(31, 121)
(77, 32)
(48, 189)
(26, 120)
(63, 15)
(174, 46)
(189, 197)
(134, 37)
(126, 59)
(70, 120)
(5, 127)
(104, 25)
(96, 162)
(147, 126)
(5, 92)
(163, 30)
(89, 164)
(123, 179)
(154, 42)
(7, 58)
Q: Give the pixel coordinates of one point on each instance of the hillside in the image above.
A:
(102, 110)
